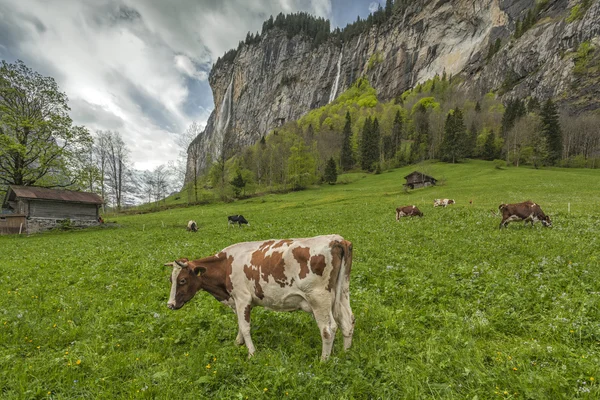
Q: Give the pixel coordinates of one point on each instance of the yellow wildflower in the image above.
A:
(208, 366)
(78, 362)
(265, 389)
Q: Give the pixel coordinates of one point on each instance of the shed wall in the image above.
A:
(59, 210)
(11, 224)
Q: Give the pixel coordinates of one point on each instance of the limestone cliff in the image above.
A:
(279, 79)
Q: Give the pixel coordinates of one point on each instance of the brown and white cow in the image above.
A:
(408, 211)
(527, 211)
(311, 274)
(442, 202)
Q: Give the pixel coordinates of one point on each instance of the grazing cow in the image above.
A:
(442, 202)
(310, 274)
(192, 226)
(527, 211)
(408, 211)
(237, 219)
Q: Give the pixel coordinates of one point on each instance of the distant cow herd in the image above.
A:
(311, 274)
(527, 211)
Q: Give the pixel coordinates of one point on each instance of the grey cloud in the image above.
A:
(94, 115)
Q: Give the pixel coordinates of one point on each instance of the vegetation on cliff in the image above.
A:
(434, 121)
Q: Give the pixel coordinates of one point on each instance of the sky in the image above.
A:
(140, 67)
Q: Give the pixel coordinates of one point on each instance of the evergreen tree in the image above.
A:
(396, 133)
(471, 142)
(238, 183)
(533, 104)
(346, 156)
(478, 107)
(331, 172)
(370, 144)
(551, 131)
(454, 142)
(489, 148)
(389, 5)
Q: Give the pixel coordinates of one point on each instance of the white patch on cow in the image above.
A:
(174, 275)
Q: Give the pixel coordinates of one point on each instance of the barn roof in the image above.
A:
(421, 174)
(39, 193)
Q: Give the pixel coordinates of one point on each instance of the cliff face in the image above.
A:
(280, 79)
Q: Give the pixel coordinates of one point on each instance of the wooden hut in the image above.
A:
(30, 209)
(418, 179)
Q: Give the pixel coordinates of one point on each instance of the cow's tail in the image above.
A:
(343, 279)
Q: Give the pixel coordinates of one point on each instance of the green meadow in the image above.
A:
(447, 306)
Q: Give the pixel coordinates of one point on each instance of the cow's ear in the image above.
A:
(196, 268)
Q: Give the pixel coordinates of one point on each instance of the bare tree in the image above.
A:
(161, 182)
(118, 174)
(188, 163)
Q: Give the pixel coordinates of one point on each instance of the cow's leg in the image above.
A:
(243, 314)
(325, 321)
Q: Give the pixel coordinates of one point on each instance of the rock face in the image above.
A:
(280, 79)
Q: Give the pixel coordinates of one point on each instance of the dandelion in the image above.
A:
(592, 379)
(208, 366)
(265, 390)
(214, 358)
(38, 347)
(514, 369)
(78, 362)
(137, 359)
(66, 352)
(54, 326)
(187, 354)
(505, 392)
(49, 393)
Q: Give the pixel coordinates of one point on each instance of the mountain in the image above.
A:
(516, 48)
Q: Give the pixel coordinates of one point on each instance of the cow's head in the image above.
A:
(546, 221)
(450, 201)
(184, 282)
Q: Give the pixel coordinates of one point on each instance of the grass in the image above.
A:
(447, 306)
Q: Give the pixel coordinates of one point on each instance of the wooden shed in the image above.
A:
(44, 208)
(418, 179)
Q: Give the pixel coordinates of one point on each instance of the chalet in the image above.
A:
(29, 209)
(418, 179)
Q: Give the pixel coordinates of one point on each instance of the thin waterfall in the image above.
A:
(334, 88)
(225, 114)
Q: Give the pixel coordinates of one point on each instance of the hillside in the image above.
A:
(447, 306)
(515, 48)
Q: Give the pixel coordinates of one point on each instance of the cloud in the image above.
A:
(136, 66)
(374, 6)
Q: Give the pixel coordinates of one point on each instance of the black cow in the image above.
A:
(237, 219)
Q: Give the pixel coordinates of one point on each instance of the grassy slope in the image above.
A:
(447, 306)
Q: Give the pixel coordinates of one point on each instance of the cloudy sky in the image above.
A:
(140, 66)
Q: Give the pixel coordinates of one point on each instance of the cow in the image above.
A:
(311, 274)
(528, 211)
(442, 202)
(237, 219)
(192, 226)
(408, 211)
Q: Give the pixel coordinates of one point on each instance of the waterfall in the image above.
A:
(225, 112)
(334, 88)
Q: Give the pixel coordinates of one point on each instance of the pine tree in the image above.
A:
(471, 142)
(551, 131)
(330, 172)
(454, 142)
(477, 107)
(396, 133)
(238, 183)
(533, 104)
(389, 5)
(346, 156)
(370, 144)
(489, 148)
